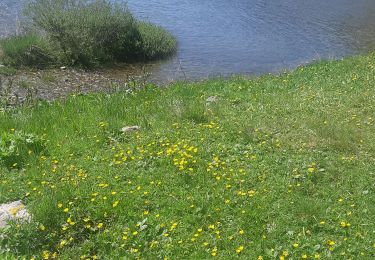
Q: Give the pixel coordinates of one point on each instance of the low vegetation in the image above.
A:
(270, 167)
(25, 51)
(84, 33)
(156, 42)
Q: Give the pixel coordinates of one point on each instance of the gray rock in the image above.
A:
(2, 66)
(211, 99)
(13, 211)
(128, 129)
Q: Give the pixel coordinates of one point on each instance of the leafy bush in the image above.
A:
(93, 32)
(156, 42)
(15, 147)
(86, 33)
(26, 50)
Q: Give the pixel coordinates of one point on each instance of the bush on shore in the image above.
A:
(89, 33)
(156, 42)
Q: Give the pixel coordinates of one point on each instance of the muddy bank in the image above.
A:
(59, 83)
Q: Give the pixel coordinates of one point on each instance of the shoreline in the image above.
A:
(58, 83)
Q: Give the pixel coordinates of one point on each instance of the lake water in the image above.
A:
(224, 37)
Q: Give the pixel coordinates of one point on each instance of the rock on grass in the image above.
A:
(13, 211)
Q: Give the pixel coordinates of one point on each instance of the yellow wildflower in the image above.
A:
(311, 169)
(42, 227)
(45, 255)
(239, 249)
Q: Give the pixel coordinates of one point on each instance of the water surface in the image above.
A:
(224, 37)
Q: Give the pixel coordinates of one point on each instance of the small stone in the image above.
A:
(63, 68)
(128, 129)
(2, 66)
(211, 99)
(13, 211)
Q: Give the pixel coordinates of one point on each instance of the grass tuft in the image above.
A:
(28, 50)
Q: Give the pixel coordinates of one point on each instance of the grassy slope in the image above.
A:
(278, 164)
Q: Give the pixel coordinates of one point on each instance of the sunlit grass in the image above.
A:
(276, 167)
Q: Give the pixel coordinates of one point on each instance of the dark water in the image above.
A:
(223, 37)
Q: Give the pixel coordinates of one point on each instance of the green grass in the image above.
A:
(7, 71)
(29, 50)
(277, 165)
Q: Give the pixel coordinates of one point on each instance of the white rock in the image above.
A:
(211, 99)
(128, 129)
(13, 211)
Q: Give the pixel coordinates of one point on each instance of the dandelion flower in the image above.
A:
(42, 227)
(45, 255)
(239, 249)
(311, 169)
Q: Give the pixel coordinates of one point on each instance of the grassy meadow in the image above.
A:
(272, 167)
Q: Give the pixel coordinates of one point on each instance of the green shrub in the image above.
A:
(26, 50)
(156, 41)
(87, 32)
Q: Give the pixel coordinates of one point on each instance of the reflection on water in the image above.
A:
(223, 37)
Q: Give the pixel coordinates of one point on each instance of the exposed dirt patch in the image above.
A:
(51, 84)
